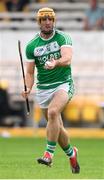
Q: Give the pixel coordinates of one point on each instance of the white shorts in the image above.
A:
(44, 97)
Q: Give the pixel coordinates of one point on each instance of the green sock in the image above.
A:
(68, 150)
(51, 147)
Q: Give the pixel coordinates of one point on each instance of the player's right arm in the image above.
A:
(29, 78)
(30, 70)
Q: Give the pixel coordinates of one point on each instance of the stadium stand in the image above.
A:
(37, 114)
(72, 112)
(2, 7)
(90, 109)
(83, 110)
(69, 15)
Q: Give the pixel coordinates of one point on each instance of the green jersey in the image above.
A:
(41, 50)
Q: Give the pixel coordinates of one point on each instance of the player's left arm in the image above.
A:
(65, 60)
(66, 56)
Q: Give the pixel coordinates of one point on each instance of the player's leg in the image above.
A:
(63, 138)
(63, 141)
(70, 151)
(55, 107)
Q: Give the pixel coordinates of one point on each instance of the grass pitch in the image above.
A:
(18, 159)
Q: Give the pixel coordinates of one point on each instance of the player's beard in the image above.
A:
(47, 32)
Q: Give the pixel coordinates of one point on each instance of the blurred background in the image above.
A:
(84, 21)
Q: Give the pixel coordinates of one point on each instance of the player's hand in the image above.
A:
(25, 94)
(50, 64)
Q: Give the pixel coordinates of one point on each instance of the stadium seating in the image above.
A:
(72, 112)
(37, 114)
(90, 109)
(69, 15)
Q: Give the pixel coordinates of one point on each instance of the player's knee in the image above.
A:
(52, 113)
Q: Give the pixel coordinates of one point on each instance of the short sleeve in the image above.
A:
(29, 54)
(65, 40)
